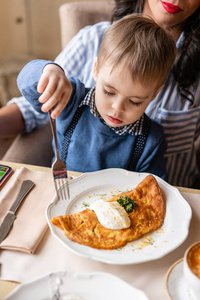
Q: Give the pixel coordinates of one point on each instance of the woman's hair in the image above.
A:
(145, 48)
(186, 67)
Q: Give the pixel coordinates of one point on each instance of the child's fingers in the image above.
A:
(42, 84)
(51, 90)
(63, 100)
(60, 105)
(51, 103)
(58, 99)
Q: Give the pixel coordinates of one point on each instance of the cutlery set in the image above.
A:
(60, 176)
(7, 222)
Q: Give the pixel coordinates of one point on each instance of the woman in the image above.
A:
(177, 106)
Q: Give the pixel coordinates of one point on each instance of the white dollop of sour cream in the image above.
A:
(111, 214)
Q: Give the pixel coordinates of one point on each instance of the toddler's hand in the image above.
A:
(55, 88)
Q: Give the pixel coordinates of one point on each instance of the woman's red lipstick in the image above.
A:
(170, 8)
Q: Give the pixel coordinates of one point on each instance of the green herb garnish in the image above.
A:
(127, 203)
(85, 204)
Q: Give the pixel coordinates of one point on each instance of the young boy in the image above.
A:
(105, 127)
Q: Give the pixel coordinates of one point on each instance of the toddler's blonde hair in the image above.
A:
(142, 45)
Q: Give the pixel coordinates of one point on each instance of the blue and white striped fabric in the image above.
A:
(180, 120)
(179, 117)
(32, 118)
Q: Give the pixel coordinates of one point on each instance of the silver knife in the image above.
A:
(6, 225)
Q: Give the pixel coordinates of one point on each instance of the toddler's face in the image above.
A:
(119, 99)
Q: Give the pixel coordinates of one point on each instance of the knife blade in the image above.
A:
(8, 220)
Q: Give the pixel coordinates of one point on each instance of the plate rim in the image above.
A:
(168, 274)
(143, 174)
(76, 274)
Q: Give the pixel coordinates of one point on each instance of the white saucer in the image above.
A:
(176, 286)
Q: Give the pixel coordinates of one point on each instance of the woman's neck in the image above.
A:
(174, 29)
(175, 32)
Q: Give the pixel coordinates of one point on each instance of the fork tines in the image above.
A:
(61, 184)
(59, 168)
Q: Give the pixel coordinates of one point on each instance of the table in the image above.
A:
(157, 268)
(7, 286)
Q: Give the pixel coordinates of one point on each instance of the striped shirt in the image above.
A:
(179, 117)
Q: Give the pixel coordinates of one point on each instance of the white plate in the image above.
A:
(87, 286)
(90, 187)
(176, 285)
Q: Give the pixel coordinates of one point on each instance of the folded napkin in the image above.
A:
(30, 224)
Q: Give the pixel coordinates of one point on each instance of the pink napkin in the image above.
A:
(30, 224)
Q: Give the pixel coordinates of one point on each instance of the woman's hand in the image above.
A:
(55, 89)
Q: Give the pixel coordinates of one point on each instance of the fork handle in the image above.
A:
(53, 128)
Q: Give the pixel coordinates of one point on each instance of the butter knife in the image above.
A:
(6, 225)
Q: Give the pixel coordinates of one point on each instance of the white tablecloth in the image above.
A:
(52, 256)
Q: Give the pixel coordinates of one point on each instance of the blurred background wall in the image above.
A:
(28, 29)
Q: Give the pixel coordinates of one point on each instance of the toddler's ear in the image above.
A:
(156, 93)
(95, 70)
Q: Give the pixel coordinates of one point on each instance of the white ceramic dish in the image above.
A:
(90, 187)
(176, 286)
(85, 286)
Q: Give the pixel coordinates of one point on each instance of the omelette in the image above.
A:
(148, 214)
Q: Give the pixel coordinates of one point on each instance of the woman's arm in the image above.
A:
(11, 121)
(76, 59)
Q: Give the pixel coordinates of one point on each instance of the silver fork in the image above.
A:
(59, 168)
